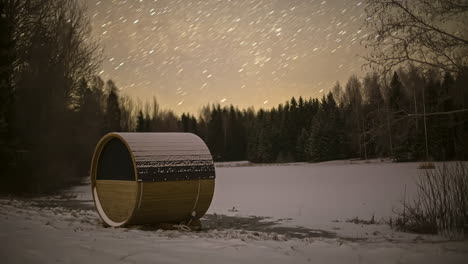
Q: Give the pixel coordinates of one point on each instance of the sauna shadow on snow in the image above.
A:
(261, 224)
(212, 221)
(254, 224)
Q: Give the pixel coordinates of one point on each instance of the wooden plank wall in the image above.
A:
(173, 201)
(118, 198)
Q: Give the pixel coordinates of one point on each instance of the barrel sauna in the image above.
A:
(151, 178)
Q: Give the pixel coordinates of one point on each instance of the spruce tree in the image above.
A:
(185, 122)
(141, 122)
(112, 108)
(301, 145)
(396, 93)
(216, 133)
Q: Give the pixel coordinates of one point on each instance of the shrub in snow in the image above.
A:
(441, 204)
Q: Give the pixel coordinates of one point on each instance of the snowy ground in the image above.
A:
(288, 213)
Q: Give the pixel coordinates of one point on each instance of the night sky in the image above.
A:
(246, 53)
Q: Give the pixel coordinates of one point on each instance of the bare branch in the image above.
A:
(417, 31)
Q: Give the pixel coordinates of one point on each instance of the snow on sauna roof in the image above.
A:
(158, 157)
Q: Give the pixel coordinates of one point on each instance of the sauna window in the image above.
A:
(115, 162)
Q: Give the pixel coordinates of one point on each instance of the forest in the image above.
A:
(54, 108)
(364, 119)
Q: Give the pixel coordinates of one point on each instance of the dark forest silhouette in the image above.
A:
(54, 108)
(366, 119)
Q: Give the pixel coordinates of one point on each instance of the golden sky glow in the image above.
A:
(246, 53)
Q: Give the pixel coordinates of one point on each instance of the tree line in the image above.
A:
(410, 116)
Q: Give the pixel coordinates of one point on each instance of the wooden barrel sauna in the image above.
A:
(150, 178)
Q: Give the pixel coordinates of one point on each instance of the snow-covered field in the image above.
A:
(288, 213)
(314, 195)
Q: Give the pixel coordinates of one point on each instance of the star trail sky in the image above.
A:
(246, 53)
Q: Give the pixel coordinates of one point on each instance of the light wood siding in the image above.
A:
(118, 198)
(173, 201)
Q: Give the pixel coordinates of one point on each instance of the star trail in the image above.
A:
(246, 53)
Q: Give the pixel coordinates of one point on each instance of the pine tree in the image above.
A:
(317, 143)
(194, 125)
(185, 122)
(436, 125)
(291, 130)
(235, 135)
(407, 142)
(148, 127)
(301, 145)
(113, 108)
(353, 106)
(141, 122)
(265, 148)
(396, 93)
(374, 120)
(216, 133)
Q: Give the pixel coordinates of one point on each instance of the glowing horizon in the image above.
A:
(257, 54)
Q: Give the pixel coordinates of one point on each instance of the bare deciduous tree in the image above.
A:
(48, 56)
(431, 33)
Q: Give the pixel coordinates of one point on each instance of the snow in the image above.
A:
(314, 195)
(283, 213)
